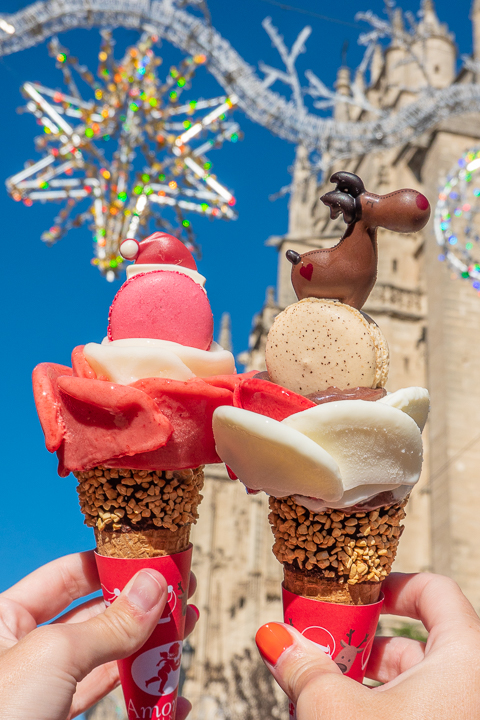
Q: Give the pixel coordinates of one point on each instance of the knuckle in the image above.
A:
(11, 615)
(45, 636)
(70, 582)
(120, 622)
(439, 582)
(52, 643)
(325, 697)
(306, 671)
(10, 609)
(441, 586)
(313, 682)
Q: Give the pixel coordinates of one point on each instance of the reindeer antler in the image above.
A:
(364, 640)
(349, 636)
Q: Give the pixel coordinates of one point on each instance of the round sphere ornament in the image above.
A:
(457, 219)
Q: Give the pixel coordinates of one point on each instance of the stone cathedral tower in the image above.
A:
(432, 325)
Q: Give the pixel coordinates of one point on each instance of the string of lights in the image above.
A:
(284, 117)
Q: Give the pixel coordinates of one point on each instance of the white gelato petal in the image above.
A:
(267, 455)
(128, 360)
(415, 401)
(373, 443)
(127, 365)
(357, 495)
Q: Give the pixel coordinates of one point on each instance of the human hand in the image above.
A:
(438, 679)
(57, 671)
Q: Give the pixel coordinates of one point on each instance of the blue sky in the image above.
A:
(53, 298)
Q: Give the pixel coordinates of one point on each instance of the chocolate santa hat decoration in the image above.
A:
(159, 251)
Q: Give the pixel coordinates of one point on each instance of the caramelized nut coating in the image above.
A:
(351, 548)
(112, 498)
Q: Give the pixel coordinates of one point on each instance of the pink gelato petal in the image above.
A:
(80, 365)
(189, 406)
(105, 420)
(48, 402)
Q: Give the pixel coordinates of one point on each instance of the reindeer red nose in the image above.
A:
(422, 202)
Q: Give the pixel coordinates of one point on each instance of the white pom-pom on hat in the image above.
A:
(129, 249)
(160, 251)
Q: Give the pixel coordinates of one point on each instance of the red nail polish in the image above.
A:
(272, 640)
(195, 610)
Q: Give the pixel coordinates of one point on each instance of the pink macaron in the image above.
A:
(165, 305)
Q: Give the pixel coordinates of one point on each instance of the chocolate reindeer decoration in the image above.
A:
(347, 272)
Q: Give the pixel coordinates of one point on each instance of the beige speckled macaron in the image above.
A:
(316, 344)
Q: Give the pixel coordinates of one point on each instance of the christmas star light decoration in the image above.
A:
(132, 156)
(457, 216)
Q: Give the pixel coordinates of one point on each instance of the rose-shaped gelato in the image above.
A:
(148, 424)
(335, 455)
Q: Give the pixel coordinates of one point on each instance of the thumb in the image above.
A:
(304, 672)
(124, 626)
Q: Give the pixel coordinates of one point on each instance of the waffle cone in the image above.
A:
(335, 556)
(310, 585)
(140, 514)
(142, 543)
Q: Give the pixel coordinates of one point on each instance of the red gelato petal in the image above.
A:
(189, 406)
(48, 402)
(104, 420)
(229, 382)
(80, 365)
(267, 398)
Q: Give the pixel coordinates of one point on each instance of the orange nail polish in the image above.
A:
(272, 640)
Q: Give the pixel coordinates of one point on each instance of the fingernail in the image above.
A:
(146, 591)
(272, 640)
(195, 610)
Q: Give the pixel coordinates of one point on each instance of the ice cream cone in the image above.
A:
(335, 556)
(142, 520)
(139, 401)
(330, 436)
(334, 563)
(142, 543)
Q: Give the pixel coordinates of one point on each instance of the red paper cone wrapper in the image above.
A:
(345, 632)
(150, 677)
